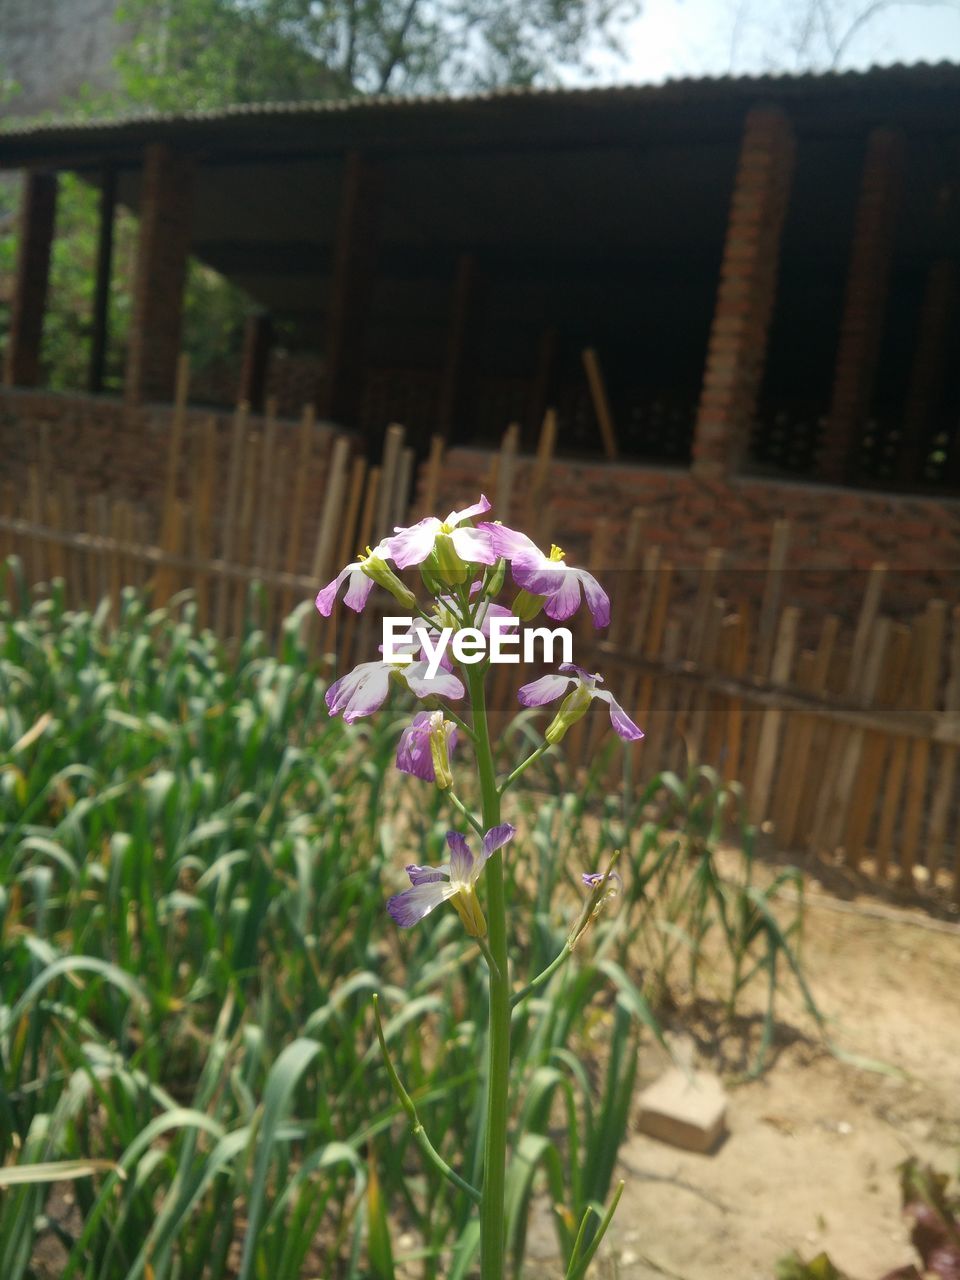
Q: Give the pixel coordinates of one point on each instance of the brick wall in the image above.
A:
(835, 533)
(106, 448)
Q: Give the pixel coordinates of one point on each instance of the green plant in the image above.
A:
(192, 862)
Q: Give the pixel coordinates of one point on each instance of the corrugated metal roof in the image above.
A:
(920, 76)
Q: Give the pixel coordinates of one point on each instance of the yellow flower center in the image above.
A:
(556, 553)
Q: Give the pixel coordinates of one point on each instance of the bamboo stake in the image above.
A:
(929, 679)
(295, 525)
(897, 767)
(772, 719)
(601, 402)
(389, 467)
(945, 791)
(228, 532)
(773, 588)
(867, 784)
(507, 472)
(348, 627)
(242, 546)
(734, 650)
(202, 512)
(819, 675)
(432, 476)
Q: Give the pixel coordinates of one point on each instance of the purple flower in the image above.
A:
(427, 741)
(364, 689)
(367, 569)
(454, 881)
(414, 544)
(548, 576)
(576, 704)
(593, 879)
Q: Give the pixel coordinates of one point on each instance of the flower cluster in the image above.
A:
(463, 565)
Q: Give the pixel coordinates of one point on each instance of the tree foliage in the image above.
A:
(203, 53)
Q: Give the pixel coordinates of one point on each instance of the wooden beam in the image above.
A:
(351, 288)
(38, 211)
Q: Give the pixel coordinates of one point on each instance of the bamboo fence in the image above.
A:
(845, 736)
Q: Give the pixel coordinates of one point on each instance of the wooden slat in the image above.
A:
(919, 767)
(601, 403)
(780, 672)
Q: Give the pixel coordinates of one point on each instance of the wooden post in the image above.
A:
(255, 361)
(862, 326)
(166, 208)
(351, 287)
(101, 295)
(449, 405)
(38, 211)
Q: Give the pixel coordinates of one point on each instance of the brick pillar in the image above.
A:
(166, 208)
(351, 290)
(861, 328)
(257, 340)
(38, 211)
(748, 281)
(928, 371)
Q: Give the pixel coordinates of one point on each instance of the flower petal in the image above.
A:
(598, 602)
(510, 542)
(461, 859)
(328, 595)
(413, 545)
(538, 575)
(547, 689)
(409, 907)
(358, 591)
(413, 750)
(443, 685)
(496, 838)
(360, 692)
(478, 509)
(571, 669)
(427, 875)
(474, 546)
(619, 718)
(565, 601)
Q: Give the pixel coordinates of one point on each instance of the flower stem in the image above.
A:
(498, 1071)
(524, 765)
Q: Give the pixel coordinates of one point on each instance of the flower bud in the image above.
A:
(429, 571)
(573, 708)
(526, 606)
(453, 571)
(496, 579)
(377, 569)
(440, 734)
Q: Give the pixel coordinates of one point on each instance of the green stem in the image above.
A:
(417, 1129)
(535, 755)
(462, 808)
(544, 976)
(498, 1071)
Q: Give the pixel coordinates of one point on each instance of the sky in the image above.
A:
(677, 38)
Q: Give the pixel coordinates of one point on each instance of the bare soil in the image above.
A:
(810, 1161)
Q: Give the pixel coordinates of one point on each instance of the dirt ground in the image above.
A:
(810, 1160)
